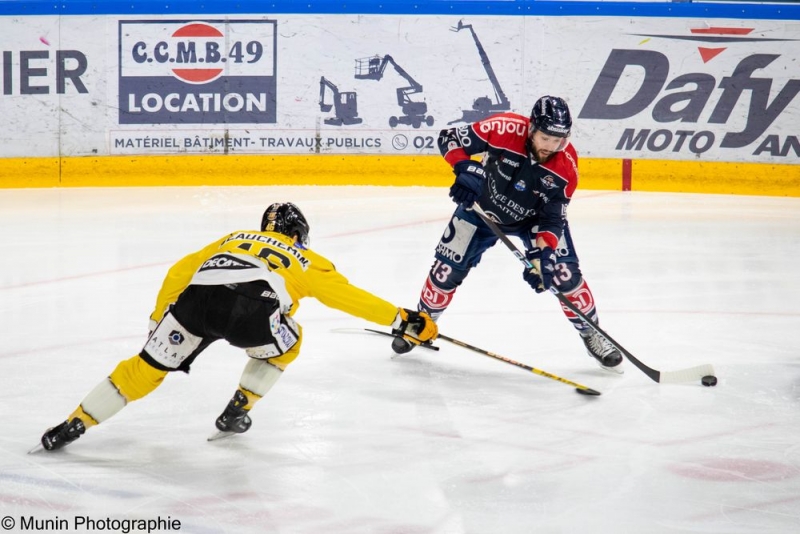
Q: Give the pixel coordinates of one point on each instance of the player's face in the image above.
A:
(544, 146)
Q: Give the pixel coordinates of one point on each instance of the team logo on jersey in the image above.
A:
(175, 338)
(549, 182)
(223, 261)
(520, 186)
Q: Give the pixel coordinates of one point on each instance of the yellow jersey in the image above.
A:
(293, 272)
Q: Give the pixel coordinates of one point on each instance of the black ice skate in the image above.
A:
(400, 345)
(235, 419)
(601, 350)
(63, 434)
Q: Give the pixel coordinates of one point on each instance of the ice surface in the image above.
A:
(351, 440)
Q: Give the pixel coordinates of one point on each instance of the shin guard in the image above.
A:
(257, 379)
(434, 299)
(581, 296)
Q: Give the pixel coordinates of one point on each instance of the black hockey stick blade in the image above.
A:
(428, 345)
(583, 390)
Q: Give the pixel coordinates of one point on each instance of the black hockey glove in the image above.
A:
(540, 277)
(413, 326)
(469, 183)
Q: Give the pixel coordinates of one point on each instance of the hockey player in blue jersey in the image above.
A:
(524, 183)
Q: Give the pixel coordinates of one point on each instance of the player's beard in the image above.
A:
(539, 154)
(542, 156)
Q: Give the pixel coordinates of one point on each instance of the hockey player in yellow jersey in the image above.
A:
(244, 288)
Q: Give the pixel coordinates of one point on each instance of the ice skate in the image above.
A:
(62, 435)
(606, 354)
(234, 420)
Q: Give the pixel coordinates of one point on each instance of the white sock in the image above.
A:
(103, 401)
(259, 376)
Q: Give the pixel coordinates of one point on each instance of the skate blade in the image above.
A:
(37, 448)
(396, 355)
(220, 434)
(618, 370)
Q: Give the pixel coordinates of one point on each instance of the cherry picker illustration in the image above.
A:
(345, 104)
(483, 106)
(414, 113)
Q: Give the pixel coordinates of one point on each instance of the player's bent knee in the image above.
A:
(134, 378)
(282, 361)
(275, 354)
(568, 277)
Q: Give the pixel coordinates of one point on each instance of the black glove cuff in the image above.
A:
(470, 167)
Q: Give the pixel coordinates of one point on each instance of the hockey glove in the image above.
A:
(415, 327)
(540, 277)
(469, 183)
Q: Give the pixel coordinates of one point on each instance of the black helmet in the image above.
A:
(551, 115)
(287, 219)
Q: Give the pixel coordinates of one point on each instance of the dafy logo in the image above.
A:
(740, 99)
(191, 72)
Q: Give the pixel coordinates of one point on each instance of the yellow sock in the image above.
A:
(251, 397)
(87, 419)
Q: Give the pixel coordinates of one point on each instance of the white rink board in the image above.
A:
(734, 100)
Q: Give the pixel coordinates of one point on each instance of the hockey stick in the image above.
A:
(426, 345)
(578, 387)
(683, 375)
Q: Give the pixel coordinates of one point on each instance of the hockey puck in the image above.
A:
(709, 380)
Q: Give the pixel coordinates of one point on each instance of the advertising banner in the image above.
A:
(682, 89)
(649, 87)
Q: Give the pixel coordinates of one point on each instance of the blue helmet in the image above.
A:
(287, 219)
(551, 116)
